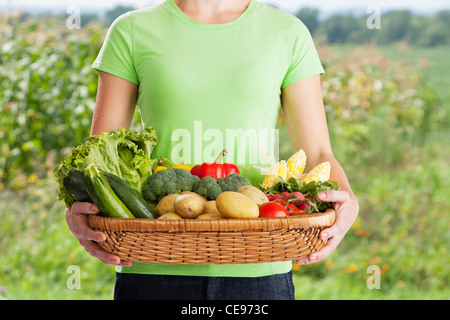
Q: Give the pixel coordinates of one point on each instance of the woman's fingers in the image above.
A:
(94, 250)
(346, 213)
(77, 220)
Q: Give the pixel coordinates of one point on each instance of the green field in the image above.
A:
(403, 226)
(393, 143)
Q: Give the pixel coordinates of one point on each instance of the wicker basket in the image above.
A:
(222, 241)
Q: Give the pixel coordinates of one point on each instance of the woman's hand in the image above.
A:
(346, 212)
(114, 108)
(77, 219)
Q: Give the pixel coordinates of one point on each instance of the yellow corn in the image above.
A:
(278, 170)
(319, 173)
(296, 164)
(283, 170)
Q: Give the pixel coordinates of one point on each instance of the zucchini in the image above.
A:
(134, 201)
(104, 197)
(74, 184)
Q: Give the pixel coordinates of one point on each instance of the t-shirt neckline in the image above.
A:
(196, 24)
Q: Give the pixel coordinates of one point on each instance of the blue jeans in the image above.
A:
(163, 287)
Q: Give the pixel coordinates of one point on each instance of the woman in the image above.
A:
(198, 65)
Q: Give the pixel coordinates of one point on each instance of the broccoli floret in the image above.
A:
(169, 181)
(185, 181)
(208, 188)
(232, 182)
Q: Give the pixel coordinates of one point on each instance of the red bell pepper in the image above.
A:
(216, 169)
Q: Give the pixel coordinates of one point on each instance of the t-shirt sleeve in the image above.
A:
(304, 59)
(117, 53)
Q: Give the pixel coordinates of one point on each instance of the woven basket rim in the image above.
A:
(318, 220)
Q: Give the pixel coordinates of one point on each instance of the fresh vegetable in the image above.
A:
(189, 206)
(104, 197)
(125, 153)
(278, 170)
(297, 199)
(253, 193)
(166, 205)
(291, 209)
(309, 193)
(272, 209)
(296, 164)
(321, 172)
(232, 182)
(208, 188)
(210, 216)
(167, 182)
(73, 182)
(293, 202)
(195, 170)
(132, 199)
(287, 180)
(165, 163)
(191, 192)
(236, 205)
(293, 168)
(216, 169)
(210, 207)
(170, 216)
(159, 168)
(182, 166)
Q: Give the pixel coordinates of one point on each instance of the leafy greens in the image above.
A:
(310, 190)
(125, 153)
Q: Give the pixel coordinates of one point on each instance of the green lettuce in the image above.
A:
(125, 153)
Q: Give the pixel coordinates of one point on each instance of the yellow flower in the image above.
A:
(375, 260)
(384, 268)
(351, 269)
(32, 177)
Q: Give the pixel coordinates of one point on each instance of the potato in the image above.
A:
(189, 206)
(236, 205)
(193, 193)
(210, 207)
(166, 205)
(254, 193)
(170, 216)
(210, 216)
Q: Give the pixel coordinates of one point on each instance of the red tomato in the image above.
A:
(290, 208)
(272, 209)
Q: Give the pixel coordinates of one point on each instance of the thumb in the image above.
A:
(334, 196)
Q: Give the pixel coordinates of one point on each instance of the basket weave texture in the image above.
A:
(222, 241)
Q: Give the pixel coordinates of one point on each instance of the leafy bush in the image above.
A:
(47, 90)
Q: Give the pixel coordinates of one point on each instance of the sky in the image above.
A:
(287, 5)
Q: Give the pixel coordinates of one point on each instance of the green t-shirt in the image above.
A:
(209, 87)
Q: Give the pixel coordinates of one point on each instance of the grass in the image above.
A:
(431, 61)
(402, 230)
(39, 249)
